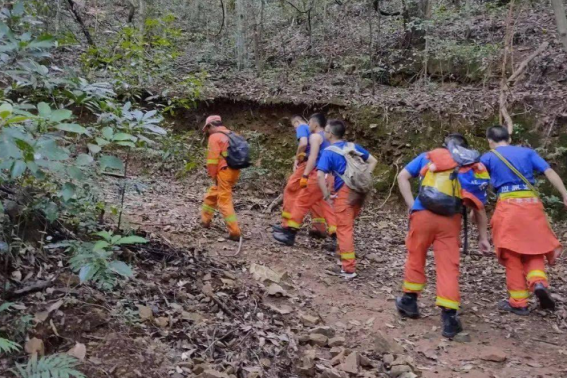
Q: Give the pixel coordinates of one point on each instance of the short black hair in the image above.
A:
(216, 123)
(337, 127)
(497, 134)
(319, 118)
(458, 139)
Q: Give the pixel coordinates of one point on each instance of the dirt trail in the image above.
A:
(532, 346)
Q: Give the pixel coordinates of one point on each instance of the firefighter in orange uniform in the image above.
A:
(219, 195)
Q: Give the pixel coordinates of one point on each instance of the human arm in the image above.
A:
(372, 162)
(556, 181)
(213, 156)
(315, 141)
(405, 187)
(300, 153)
(482, 223)
(323, 185)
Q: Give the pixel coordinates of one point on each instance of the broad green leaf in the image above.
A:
(115, 238)
(18, 9)
(42, 42)
(93, 148)
(27, 150)
(75, 173)
(51, 212)
(107, 133)
(1, 212)
(9, 150)
(101, 245)
(71, 128)
(33, 167)
(84, 160)
(60, 115)
(85, 273)
(5, 306)
(53, 166)
(123, 136)
(111, 162)
(102, 142)
(16, 119)
(67, 191)
(131, 240)
(156, 129)
(51, 150)
(121, 268)
(44, 110)
(5, 110)
(105, 235)
(18, 169)
(126, 144)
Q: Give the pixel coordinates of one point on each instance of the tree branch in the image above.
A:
(79, 19)
(522, 67)
(223, 16)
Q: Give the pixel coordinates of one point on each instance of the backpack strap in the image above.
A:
(348, 148)
(516, 172)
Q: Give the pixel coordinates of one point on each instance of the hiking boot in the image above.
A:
(407, 305)
(287, 236)
(331, 244)
(451, 323)
(504, 305)
(544, 297)
(235, 237)
(277, 228)
(205, 224)
(348, 276)
(316, 234)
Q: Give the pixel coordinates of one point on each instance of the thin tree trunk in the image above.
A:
(504, 115)
(371, 46)
(79, 19)
(142, 12)
(258, 39)
(559, 10)
(240, 34)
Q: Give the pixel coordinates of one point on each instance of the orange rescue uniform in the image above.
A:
(219, 196)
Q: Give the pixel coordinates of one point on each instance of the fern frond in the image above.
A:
(7, 346)
(5, 306)
(54, 366)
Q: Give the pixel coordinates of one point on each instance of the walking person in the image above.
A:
(450, 177)
(347, 203)
(219, 195)
(520, 230)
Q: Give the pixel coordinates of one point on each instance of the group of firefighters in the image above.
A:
(453, 182)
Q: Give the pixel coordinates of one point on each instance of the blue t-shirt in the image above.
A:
(414, 167)
(302, 131)
(523, 159)
(332, 162)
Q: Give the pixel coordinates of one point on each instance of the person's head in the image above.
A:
(335, 130)
(456, 139)
(212, 123)
(497, 135)
(297, 120)
(317, 121)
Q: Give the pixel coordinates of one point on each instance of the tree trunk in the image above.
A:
(142, 12)
(258, 38)
(371, 45)
(79, 19)
(241, 58)
(559, 10)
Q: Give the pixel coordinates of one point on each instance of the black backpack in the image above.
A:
(238, 156)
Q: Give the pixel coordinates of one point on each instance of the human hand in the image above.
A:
(484, 246)
(303, 182)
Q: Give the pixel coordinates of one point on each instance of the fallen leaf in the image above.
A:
(55, 306)
(145, 312)
(42, 316)
(35, 346)
(79, 351)
(276, 290)
(161, 321)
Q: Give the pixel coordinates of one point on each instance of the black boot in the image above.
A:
(504, 305)
(544, 297)
(407, 305)
(451, 323)
(287, 236)
(277, 228)
(331, 244)
(316, 234)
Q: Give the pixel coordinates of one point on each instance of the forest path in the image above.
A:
(498, 345)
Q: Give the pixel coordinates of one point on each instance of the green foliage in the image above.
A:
(54, 366)
(95, 261)
(7, 346)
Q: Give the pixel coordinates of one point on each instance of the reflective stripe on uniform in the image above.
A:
(230, 218)
(209, 209)
(319, 220)
(519, 294)
(518, 194)
(332, 230)
(447, 303)
(413, 286)
(348, 256)
(537, 274)
(293, 224)
(224, 153)
(286, 215)
(212, 161)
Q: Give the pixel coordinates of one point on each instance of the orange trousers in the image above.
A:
(219, 197)
(307, 199)
(522, 273)
(291, 192)
(346, 212)
(426, 229)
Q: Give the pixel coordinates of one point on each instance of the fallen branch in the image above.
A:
(38, 286)
(392, 187)
(278, 201)
(522, 67)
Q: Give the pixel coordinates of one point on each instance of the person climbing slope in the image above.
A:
(309, 195)
(450, 178)
(521, 233)
(219, 195)
(347, 203)
(292, 188)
